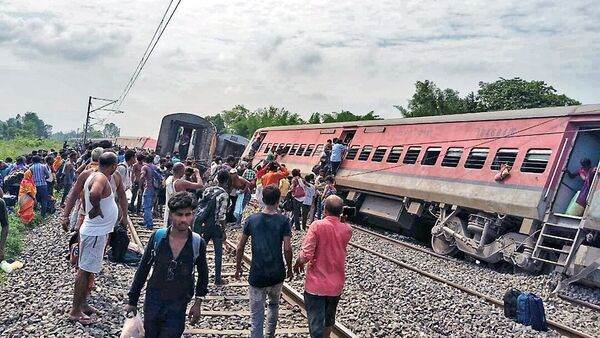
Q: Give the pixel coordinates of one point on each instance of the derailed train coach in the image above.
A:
(492, 185)
(190, 135)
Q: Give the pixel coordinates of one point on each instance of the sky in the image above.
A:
(306, 56)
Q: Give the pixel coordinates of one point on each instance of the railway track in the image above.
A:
(225, 309)
(560, 328)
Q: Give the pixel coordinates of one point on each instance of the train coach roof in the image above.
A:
(484, 116)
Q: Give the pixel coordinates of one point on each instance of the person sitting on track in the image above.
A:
(171, 285)
(269, 230)
(325, 249)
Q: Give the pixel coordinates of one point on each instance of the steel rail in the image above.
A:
(560, 328)
(294, 297)
(573, 301)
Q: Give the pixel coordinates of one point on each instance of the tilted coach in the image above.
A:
(444, 171)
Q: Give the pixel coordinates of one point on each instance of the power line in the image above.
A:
(147, 53)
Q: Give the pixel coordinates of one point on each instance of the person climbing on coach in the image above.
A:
(337, 153)
(270, 231)
(324, 249)
(586, 172)
(173, 253)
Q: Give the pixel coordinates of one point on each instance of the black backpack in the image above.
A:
(510, 303)
(119, 241)
(206, 208)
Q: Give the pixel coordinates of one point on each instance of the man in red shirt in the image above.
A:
(324, 249)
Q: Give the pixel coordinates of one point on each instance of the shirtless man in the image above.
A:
(101, 215)
(177, 183)
(136, 191)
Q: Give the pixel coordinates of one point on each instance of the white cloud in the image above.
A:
(304, 55)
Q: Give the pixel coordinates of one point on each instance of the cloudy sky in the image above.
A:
(303, 55)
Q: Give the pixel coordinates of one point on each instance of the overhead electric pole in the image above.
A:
(87, 120)
(89, 111)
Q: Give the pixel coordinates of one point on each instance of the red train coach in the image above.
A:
(401, 172)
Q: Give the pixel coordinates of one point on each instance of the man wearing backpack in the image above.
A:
(174, 252)
(211, 219)
(149, 178)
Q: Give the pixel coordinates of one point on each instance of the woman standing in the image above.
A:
(27, 193)
(298, 194)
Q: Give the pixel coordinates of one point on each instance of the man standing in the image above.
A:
(174, 252)
(211, 219)
(40, 174)
(3, 225)
(101, 214)
(149, 196)
(337, 152)
(68, 177)
(176, 183)
(269, 230)
(136, 172)
(124, 168)
(325, 249)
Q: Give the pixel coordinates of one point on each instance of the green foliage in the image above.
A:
(111, 130)
(16, 234)
(28, 125)
(503, 94)
(506, 94)
(241, 121)
(315, 118)
(21, 146)
(218, 122)
(346, 116)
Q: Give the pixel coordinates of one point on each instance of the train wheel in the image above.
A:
(442, 245)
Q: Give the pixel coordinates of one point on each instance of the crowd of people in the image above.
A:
(96, 186)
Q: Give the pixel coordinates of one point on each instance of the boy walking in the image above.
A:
(269, 230)
(174, 252)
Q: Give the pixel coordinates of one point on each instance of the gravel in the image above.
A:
(381, 299)
(35, 300)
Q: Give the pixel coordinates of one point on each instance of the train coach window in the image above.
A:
(506, 156)
(394, 155)
(293, 150)
(309, 150)
(319, 150)
(364, 154)
(477, 158)
(267, 148)
(536, 161)
(300, 151)
(262, 147)
(431, 156)
(286, 149)
(411, 155)
(274, 148)
(352, 153)
(379, 154)
(452, 157)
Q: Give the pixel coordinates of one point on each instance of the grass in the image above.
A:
(21, 146)
(16, 237)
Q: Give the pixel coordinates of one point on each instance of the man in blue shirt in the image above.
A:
(40, 174)
(337, 152)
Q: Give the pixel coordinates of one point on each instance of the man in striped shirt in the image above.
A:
(40, 174)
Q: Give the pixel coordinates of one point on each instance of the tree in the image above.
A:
(111, 130)
(516, 93)
(218, 122)
(315, 118)
(234, 115)
(347, 116)
(265, 117)
(502, 94)
(430, 100)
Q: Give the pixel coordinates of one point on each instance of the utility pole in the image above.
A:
(87, 120)
(89, 111)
